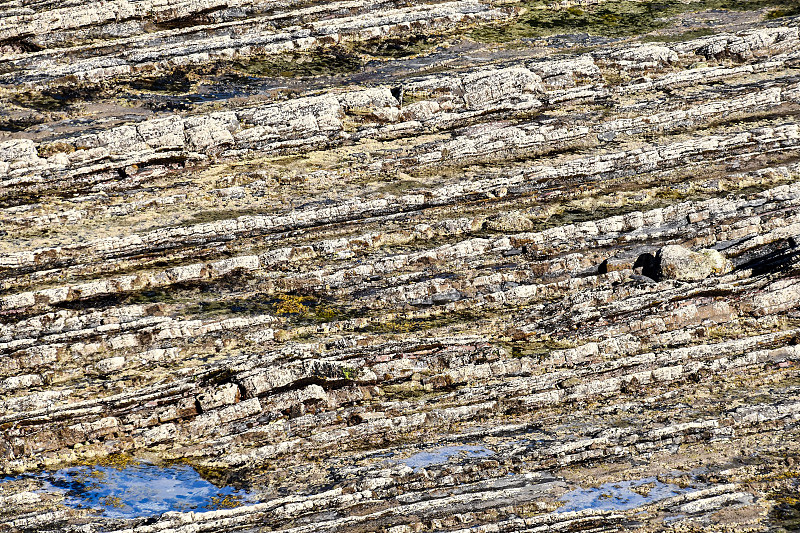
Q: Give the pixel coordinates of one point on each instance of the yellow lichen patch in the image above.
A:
(46, 150)
(112, 501)
(117, 460)
(325, 314)
(289, 305)
(225, 502)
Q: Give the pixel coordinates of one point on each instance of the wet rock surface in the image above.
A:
(399, 266)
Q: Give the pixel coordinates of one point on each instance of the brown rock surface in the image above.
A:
(400, 267)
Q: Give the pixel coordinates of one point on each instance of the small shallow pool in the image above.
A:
(620, 495)
(138, 489)
(443, 454)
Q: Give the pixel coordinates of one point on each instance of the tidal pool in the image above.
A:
(442, 455)
(619, 495)
(138, 489)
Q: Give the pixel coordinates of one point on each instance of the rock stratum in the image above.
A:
(404, 266)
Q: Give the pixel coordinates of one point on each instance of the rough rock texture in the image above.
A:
(676, 262)
(301, 246)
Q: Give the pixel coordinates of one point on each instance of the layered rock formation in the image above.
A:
(404, 266)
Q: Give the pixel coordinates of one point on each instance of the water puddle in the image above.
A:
(442, 455)
(137, 489)
(620, 495)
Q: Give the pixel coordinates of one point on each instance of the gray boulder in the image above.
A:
(677, 262)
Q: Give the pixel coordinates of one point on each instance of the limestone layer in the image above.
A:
(294, 245)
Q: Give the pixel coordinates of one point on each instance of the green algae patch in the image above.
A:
(296, 309)
(436, 319)
(323, 62)
(20, 123)
(398, 48)
(40, 101)
(152, 296)
(178, 82)
(785, 498)
(308, 310)
(53, 99)
(788, 11)
(208, 308)
(679, 37)
(616, 18)
(538, 349)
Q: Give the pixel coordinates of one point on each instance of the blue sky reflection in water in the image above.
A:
(619, 496)
(443, 454)
(140, 489)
